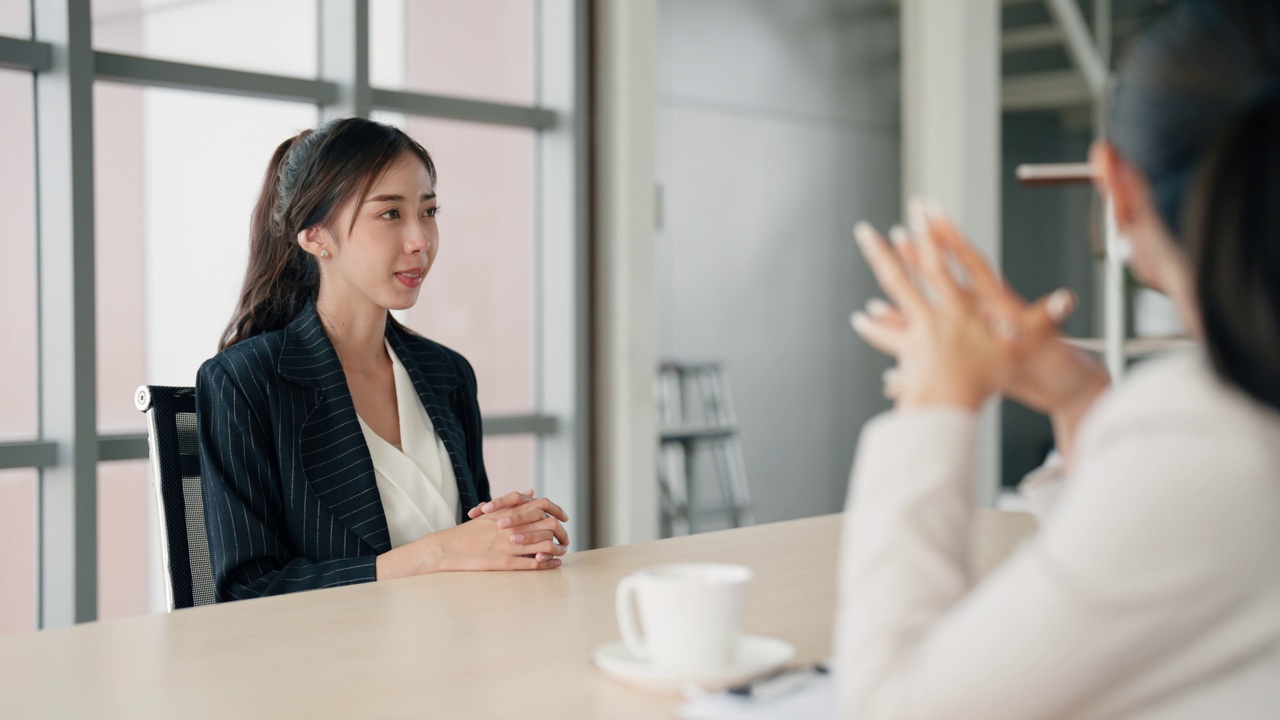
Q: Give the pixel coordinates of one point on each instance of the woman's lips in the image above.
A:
(410, 279)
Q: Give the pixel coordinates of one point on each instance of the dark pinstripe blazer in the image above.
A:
(290, 498)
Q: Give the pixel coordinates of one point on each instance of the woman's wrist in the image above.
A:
(1067, 415)
(423, 556)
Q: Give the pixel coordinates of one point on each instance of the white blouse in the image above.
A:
(416, 481)
(1152, 589)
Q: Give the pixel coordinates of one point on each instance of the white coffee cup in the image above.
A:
(690, 614)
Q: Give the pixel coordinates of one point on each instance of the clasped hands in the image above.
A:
(960, 334)
(514, 532)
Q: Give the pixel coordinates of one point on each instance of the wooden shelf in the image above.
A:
(1056, 174)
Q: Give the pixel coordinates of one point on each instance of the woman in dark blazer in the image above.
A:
(336, 445)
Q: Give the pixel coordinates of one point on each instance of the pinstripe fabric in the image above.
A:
(291, 502)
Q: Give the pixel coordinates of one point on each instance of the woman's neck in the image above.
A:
(356, 330)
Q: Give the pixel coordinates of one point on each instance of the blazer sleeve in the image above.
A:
(245, 511)
(473, 427)
(1140, 562)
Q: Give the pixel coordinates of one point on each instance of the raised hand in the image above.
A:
(1038, 368)
(947, 352)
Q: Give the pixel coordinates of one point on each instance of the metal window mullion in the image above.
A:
(25, 454)
(561, 267)
(68, 558)
(149, 72)
(453, 108)
(16, 54)
(344, 57)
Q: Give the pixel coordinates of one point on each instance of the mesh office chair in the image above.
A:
(175, 475)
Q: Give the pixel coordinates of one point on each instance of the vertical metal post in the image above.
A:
(561, 274)
(951, 142)
(344, 56)
(68, 562)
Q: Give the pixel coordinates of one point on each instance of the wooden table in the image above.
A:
(462, 645)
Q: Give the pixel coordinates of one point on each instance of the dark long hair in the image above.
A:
(311, 175)
(1198, 113)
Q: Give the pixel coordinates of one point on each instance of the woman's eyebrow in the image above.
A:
(399, 198)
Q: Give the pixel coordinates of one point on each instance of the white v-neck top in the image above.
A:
(416, 481)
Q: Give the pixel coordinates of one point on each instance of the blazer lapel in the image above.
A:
(334, 455)
(436, 379)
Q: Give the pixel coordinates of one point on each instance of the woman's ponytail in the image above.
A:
(1233, 233)
(281, 277)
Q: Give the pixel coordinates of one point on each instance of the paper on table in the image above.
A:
(813, 701)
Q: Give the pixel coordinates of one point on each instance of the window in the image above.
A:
(178, 159)
(265, 36)
(479, 49)
(18, 271)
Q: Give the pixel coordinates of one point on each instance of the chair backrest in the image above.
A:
(175, 476)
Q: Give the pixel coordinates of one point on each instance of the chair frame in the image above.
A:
(175, 546)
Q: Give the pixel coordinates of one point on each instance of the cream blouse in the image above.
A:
(416, 481)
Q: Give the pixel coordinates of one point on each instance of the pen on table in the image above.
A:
(781, 682)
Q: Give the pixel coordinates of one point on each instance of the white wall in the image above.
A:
(778, 128)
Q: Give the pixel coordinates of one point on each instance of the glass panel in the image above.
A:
(479, 299)
(18, 271)
(270, 36)
(128, 543)
(15, 18)
(479, 49)
(17, 551)
(509, 460)
(173, 229)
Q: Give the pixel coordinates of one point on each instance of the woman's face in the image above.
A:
(392, 242)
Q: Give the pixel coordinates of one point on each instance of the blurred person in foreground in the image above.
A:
(1153, 587)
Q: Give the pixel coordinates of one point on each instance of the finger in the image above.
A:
(547, 548)
(511, 499)
(532, 512)
(530, 537)
(878, 309)
(880, 334)
(547, 523)
(933, 265)
(986, 281)
(889, 271)
(531, 562)
(1047, 314)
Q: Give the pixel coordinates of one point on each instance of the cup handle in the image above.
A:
(631, 636)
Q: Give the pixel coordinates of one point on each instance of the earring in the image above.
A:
(324, 253)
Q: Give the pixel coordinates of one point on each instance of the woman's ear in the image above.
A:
(315, 241)
(1117, 179)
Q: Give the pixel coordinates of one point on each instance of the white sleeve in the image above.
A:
(1141, 559)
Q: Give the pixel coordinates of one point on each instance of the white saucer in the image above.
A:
(756, 656)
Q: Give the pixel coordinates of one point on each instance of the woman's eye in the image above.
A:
(431, 212)
(391, 214)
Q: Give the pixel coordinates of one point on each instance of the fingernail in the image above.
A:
(504, 523)
(878, 308)
(1060, 304)
(517, 539)
(488, 507)
(917, 216)
(899, 235)
(865, 235)
(860, 322)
